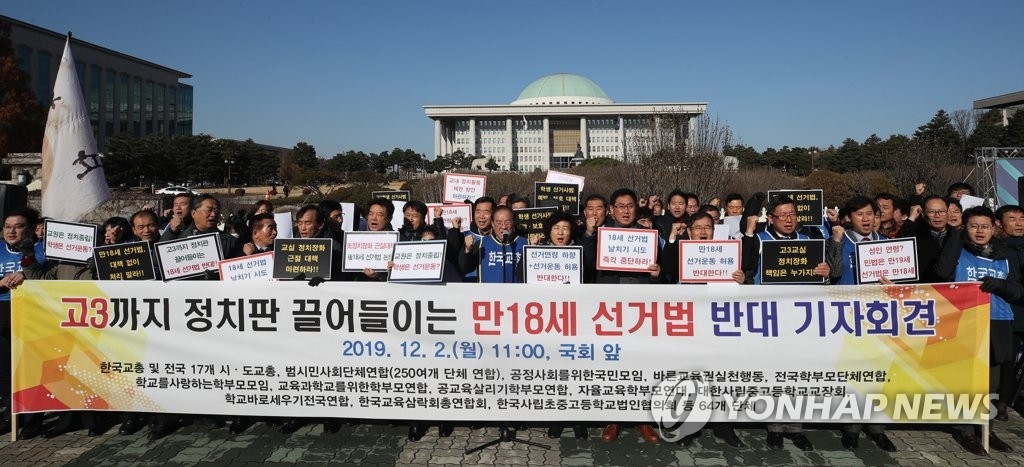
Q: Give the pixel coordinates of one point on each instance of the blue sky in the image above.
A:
(355, 75)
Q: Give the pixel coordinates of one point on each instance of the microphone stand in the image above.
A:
(506, 433)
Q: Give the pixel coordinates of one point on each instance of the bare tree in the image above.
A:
(964, 121)
(678, 151)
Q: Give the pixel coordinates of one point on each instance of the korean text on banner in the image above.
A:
(493, 351)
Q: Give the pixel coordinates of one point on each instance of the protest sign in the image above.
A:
(626, 249)
(894, 260)
(124, 261)
(258, 267)
(368, 250)
(567, 195)
(810, 205)
(553, 264)
(531, 220)
(703, 261)
(459, 187)
(418, 261)
(451, 211)
(68, 241)
(393, 195)
(562, 177)
(189, 257)
(310, 257)
(791, 261)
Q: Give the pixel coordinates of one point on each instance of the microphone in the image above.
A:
(506, 236)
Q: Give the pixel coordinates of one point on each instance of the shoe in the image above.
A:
(131, 426)
(728, 435)
(332, 426)
(5, 427)
(580, 432)
(800, 441)
(31, 431)
(96, 431)
(882, 441)
(774, 440)
(999, 445)
(970, 443)
(647, 432)
(415, 432)
(291, 426)
(851, 440)
(688, 440)
(57, 430)
(239, 425)
(161, 429)
(611, 432)
(1003, 415)
(445, 429)
(555, 431)
(218, 422)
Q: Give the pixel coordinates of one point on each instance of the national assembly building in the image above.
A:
(557, 121)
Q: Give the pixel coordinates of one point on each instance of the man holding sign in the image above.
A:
(495, 256)
(859, 214)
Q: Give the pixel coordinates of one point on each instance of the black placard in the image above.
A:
(310, 257)
(566, 195)
(791, 261)
(531, 220)
(810, 205)
(393, 195)
(124, 261)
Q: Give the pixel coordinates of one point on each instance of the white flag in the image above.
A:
(74, 183)
(526, 124)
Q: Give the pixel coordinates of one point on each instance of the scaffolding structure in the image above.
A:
(984, 169)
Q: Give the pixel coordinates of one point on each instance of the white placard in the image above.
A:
(621, 249)
(893, 259)
(189, 257)
(368, 250)
(398, 217)
(284, 224)
(703, 261)
(968, 201)
(722, 232)
(418, 261)
(451, 211)
(460, 187)
(258, 267)
(349, 221)
(734, 224)
(562, 177)
(553, 264)
(69, 241)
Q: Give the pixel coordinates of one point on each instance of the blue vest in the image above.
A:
(850, 271)
(767, 237)
(497, 263)
(471, 276)
(975, 268)
(10, 261)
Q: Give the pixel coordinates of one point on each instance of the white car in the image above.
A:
(175, 190)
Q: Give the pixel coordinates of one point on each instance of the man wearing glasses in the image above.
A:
(782, 225)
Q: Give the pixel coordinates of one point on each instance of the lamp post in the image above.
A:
(813, 153)
(229, 163)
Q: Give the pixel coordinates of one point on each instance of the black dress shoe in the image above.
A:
(57, 430)
(970, 443)
(728, 435)
(999, 445)
(774, 440)
(131, 426)
(555, 431)
(96, 431)
(161, 429)
(851, 440)
(5, 427)
(31, 431)
(332, 426)
(800, 441)
(882, 441)
(415, 432)
(580, 432)
(291, 426)
(1003, 416)
(239, 425)
(445, 429)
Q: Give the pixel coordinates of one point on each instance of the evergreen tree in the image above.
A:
(939, 131)
(1014, 132)
(22, 118)
(989, 132)
(304, 155)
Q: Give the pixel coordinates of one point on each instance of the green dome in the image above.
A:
(562, 88)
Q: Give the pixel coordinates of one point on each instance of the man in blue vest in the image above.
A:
(494, 256)
(782, 225)
(859, 214)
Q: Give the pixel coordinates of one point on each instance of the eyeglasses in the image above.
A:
(702, 227)
(624, 206)
(934, 212)
(790, 215)
(979, 227)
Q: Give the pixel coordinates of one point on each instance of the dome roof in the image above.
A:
(562, 88)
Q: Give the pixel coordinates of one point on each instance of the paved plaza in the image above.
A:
(383, 444)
